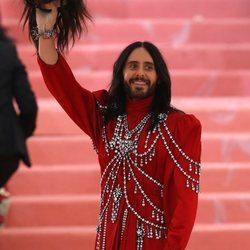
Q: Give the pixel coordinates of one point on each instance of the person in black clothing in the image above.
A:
(17, 122)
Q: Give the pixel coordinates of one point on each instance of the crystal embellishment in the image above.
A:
(117, 195)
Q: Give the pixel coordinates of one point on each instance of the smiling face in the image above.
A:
(139, 74)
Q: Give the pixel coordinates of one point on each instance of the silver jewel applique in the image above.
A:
(117, 195)
(162, 117)
(122, 148)
(140, 233)
(125, 146)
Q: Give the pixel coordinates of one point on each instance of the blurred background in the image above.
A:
(206, 44)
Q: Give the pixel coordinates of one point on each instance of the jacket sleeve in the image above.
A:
(182, 192)
(79, 103)
(24, 97)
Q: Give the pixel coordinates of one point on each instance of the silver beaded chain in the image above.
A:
(123, 146)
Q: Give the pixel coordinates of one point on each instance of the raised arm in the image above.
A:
(79, 103)
(45, 24)
(67, 18)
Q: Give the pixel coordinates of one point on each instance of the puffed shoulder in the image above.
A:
(185, 129)
(101, 96)
(184, 123)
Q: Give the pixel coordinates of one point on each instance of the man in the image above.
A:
(15, 127)
(149, 152)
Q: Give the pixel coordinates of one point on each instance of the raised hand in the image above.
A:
(67, 17)
(46, 20)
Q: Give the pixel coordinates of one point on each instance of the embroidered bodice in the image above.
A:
(129, 154)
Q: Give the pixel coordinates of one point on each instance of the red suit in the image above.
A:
(150, 179)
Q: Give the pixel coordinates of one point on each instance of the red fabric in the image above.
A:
(179, 203)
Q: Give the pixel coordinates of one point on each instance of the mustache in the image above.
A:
(139, 78)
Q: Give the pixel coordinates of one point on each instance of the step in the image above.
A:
(161, 8)
(185, 83)
(217, 237)
(216, 177)
(42, 211)
(72, 149)
(220, 237)
(221, 115)
(77, 149)
(225, 177)
(52, 238)
(75, 179)
(170, 8)
(176, 31)
(226, 147)
(191, 57)
(221, 208)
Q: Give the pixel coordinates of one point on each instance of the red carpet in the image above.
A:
(206, 44)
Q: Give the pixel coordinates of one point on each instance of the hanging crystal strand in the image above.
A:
(150, 232)
(129, 176)
(196, 170)
(140, 232)
(143, 202)
(197, 188)
(135, 190)
(162, 193)
(162, 219)
(160, 234)
(147, 138)
(153, 214)
(105, 140)
(124, 221)
(190, 167)
(98, 230)
(153, 152)
(157, 217)
(199, 170)
(150, 156)
(135, 162)
(193, 187)
(156, 234)
(155, 128)
(141, 163)
(187, 183)
(104, 230)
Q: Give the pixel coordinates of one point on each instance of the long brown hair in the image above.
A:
(162, 96)
(71, 20)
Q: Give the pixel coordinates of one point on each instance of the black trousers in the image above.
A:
(8, 166)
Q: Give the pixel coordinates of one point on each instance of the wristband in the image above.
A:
(46, 34)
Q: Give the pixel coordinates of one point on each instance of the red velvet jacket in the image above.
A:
(146, 205)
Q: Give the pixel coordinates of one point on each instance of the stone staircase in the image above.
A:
(206, 44)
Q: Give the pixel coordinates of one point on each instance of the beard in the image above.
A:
(139, 91)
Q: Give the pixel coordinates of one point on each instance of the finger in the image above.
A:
(49, 6)
(42, 12)
(46, 9)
